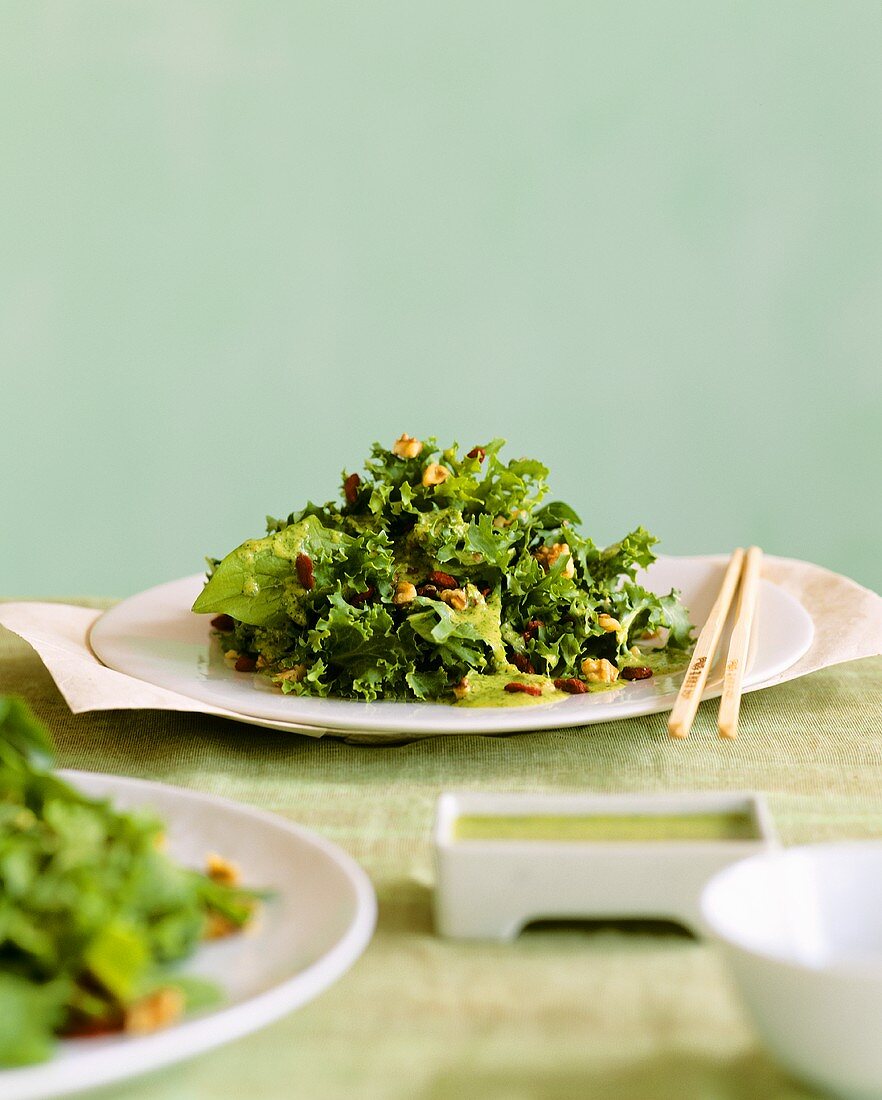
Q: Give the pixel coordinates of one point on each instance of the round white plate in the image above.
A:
(308, 934)
(155, 637)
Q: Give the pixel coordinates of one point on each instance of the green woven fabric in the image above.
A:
(573, 1013)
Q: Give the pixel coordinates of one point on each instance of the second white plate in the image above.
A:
(155, 637)
(318, 921)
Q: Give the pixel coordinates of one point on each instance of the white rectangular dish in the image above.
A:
(572, 856)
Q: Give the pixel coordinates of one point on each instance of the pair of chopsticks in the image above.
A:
(743, 568)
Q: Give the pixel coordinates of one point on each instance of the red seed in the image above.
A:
(636, 672)
(523, 663)
(303, 564)
(477, 452)
(442, 580)
(90, 1028)
(350, 488)
(245, 664)
(532, 629)
(224, 623)
(525, 689)
(361, 598)
(571, 686)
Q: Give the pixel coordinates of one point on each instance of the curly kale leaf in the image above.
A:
(538, 586)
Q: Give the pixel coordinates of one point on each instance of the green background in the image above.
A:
(239, 241)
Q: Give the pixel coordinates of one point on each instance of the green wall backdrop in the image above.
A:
(241, 240)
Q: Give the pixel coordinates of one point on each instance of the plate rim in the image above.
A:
(215, 1027)
(483, 720)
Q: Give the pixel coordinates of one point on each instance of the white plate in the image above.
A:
(309, 933)
(154, 637)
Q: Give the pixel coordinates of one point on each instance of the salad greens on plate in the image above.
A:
(443, 577)
(93, 913)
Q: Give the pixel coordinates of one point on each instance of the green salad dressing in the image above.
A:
(485, 618)
(663, 662)
(601, 827)
(488, 690)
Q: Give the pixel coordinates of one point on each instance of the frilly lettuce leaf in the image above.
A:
(484, 524)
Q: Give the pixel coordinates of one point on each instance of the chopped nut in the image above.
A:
(405, 592)
(599, 670)
(261, 662)
(158, 1009)
(406, 446)
(455, 598)
(295, 673)
(519, 513)
(608, 623)
(461, 689)
(434, 474)
(547, 556)
(500, 521)
(217, 926)
(221, 870)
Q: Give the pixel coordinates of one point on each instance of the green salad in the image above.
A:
(92, 911)
(444, 577)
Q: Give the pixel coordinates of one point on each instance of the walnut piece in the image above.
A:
(461, 689)
(608, 623)
(405, 592)
(547, 556)
(221, 870)
(217, 926)
(434, 474)
(455, 598)
(296, 674)
(156, 1010)
(406, 446)
(599, 671)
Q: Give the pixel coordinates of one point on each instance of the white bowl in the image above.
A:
(802, 932)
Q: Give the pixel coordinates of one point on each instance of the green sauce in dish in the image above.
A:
(607, 827)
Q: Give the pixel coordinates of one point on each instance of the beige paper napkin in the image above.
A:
(59, 633)
(847, 619)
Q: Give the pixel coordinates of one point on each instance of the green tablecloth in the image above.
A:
(603, 1014)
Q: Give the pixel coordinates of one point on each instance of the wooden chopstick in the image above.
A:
(739, 643)
(686, 705)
